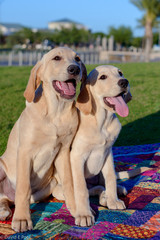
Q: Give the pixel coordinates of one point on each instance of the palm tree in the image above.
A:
(152, 12)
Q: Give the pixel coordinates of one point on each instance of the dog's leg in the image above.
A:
(44, 192)
(5, 188)
(22, 219)
(57, 192)
(63, 168)
(84, 216)
(109, 197)
(5, 211)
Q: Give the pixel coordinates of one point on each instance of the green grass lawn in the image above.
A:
(142, 126)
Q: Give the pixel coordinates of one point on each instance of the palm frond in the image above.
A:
(142, 22)
(138, 4)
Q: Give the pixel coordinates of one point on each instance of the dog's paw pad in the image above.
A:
(84, 220)
(21, 225)
(116, 204)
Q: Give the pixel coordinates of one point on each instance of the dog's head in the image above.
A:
(59, 71)
(107, 86)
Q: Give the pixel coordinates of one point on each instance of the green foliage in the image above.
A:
(151, 8)
(137, 42)
(65, 36)
(78, 37)
(122, 35)
(72, 36)
(99, 34)
(142, 22)
(140, 127)
(2, 40)
(21, 37)
(156, 38)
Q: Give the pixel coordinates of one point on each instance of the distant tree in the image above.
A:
(152, 12)
(39, 36)
(63, 36)
(156, 38)
(27, 33)
(97, 34)
(137, 42)
(122, 35)
(72, 36)
(20, 37)
(2, 39)
(80, 36)
(14, 39)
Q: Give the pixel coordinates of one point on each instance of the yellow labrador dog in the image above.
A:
(37, 154)
(102, 95)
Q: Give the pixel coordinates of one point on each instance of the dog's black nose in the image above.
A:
(123, 83)
(73, 70)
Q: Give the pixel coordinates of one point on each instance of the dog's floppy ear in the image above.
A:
(84, 73)
(33, 83)
(84, 100)
(127, 97)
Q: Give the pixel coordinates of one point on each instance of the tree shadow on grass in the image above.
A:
(142, 131)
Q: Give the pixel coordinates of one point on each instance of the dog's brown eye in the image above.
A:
(77, 58)
(103, 77)
(120, 73)
(57, 58)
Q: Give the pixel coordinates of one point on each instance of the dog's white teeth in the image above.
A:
(59, 85)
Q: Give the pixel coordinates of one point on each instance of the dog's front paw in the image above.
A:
(115, 204)
(5, 213)
(21, 224)
(103, 199)
(111, 203)
(85, 220)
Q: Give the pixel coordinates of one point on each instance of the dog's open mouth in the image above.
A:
(67, 89)
(117, 104)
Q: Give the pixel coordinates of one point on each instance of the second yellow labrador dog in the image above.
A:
(38, 149)
(102, 95)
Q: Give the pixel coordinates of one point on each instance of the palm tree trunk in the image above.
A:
(148, 40)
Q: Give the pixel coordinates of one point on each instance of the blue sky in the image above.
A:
(97, 15)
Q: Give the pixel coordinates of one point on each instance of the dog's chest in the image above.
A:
(44, 159)
(64, 124)
(97, 154)
(95, 161)
(52, 138)
(99, 150)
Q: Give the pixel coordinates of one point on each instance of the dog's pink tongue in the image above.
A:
(120, 106)
(67, 87)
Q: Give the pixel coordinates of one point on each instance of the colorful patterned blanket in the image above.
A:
(141, 219)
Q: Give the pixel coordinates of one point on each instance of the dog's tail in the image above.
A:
(99, 189)
(131, 173)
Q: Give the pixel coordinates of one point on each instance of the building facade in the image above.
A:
(65, 23)
(7, 29)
